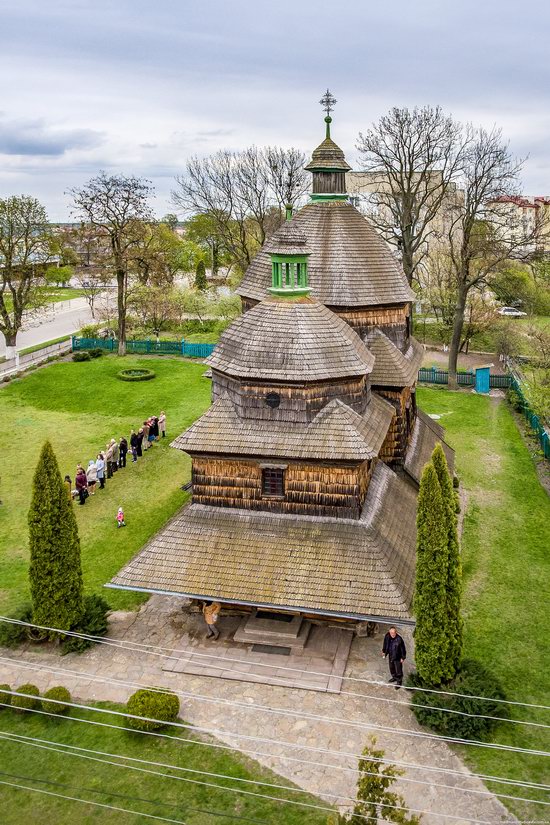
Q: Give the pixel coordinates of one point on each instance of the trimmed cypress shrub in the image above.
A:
(453, 585)
(55, 571)
(200, 277)
(430, 604)
(154, 704)
(5, 695)
(22, 703)
(93, 623)
(61, 694)
(472, 679)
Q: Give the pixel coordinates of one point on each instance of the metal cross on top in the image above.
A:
(328, 102)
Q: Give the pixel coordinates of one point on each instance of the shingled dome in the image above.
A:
(350, 265)
(296, 340)
(328, 156)
(288, 240)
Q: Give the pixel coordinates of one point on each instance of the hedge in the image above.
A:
(136, 375)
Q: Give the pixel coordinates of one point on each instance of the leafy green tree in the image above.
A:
(453, 622)
(200, 277)
(374, 794)
(55, 571)
(430, 602)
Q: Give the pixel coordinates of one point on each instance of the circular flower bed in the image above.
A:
(136, 375)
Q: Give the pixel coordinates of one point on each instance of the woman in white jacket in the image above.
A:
(91, 475)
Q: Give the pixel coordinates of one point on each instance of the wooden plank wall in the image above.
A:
(310, 488)
(394, 321)
(396, 441)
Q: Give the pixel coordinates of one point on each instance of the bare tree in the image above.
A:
(26, 245)
(243, 193)
(92, 281)
(482, 232)
(116, 205)
(414, 156)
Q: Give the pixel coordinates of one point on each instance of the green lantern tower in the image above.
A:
(289, 255)
(328, 163)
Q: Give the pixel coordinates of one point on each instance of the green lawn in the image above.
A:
(79, 406)
(51, 295)
(183, 801)
(506, 560)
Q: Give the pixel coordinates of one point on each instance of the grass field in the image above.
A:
(79, 406)
(180, 801)
(506, 561)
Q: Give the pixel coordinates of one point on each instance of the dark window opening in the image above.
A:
(273, 482)
(273, 400)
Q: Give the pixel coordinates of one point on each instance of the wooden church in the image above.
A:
(306, 466)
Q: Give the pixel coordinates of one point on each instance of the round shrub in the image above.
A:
(473, 680)
(154, 704)
(81, 356)
(61, 694)
(96, 352)
(136, 375)
(12, 635)
(5, 696)
(22, 703)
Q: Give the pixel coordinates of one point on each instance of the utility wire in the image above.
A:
(34, 741)
(283, 743)
(295, 714)
(136, 648)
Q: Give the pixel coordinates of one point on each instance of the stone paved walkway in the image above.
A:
(162, 622)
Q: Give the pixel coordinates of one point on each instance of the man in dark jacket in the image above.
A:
(394, 649)
(122, 450)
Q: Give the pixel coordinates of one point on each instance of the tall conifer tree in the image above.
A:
(55, 571)
(200, 277)
(431, 640)
(454, 571)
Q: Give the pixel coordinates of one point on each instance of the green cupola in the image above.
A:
(289, 255)
(328, 164)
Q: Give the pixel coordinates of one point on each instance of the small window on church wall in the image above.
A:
(273, 482)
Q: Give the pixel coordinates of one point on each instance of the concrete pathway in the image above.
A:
(162, 622)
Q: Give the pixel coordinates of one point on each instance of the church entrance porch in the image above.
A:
(265, 648)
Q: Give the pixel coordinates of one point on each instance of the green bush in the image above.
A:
(514, 399)
(12, 635)
(456, 482)
(154, 704)
(82, 355)
(93, 623)
(89, 331)
(472, 679)
(61, 694)
(26, 702)
(5, 696)
(136, 375)
(96, 352)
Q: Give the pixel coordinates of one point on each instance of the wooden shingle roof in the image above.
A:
(350, 265)
(328, 156)
(393, 368)
(336, 433)
(291, 340)
(425, 435)
(362, 568)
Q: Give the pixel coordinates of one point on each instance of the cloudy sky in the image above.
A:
(136, 87)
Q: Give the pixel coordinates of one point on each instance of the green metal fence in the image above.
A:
(146, 347)
(433, 375)
(534, 421)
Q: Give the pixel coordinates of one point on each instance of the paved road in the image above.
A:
(65, 318)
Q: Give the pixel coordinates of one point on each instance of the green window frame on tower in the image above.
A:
(289, 272)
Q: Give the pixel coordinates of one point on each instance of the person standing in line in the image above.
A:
(68, 484)
(81, 484)
(394, 648)
(211, 612)
(109, 460)
(145, 438)
(91, 476)
(116, 455)
(154, 429)
(122, 450)
(162, 424)
(133, 445)
(139, 442)
(100, 467)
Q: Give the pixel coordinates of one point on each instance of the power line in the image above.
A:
(295, 714)
(90, 802)
(31, 740)
(284, 743)
(135, 647)
(281, 800)
(118, 795)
